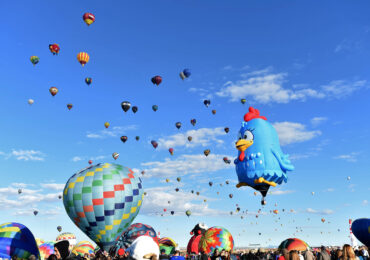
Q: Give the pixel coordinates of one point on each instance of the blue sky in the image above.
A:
(303, 65)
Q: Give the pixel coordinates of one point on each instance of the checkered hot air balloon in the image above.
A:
(216, 237)
(83, 58)
(17, 240)
(103, 200)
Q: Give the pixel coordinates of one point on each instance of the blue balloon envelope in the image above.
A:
(17, 240)
(361, 230)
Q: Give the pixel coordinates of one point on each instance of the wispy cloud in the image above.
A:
(365, 202)
(290, 132)
(114, 131)
(185, 164)
(318, 120)
(319, 212)
(264, 86)
(84, 158)
(53, 186)
(24, 155)
(351, 157)
(329, 190)
(200, 137)
(281, 192)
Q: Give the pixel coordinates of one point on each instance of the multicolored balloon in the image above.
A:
(39, 241)
(46, 249)
(82, 248)
(88, 18)
(294, 244)
(125, 105)
(216, 237)
(168, 244)
(88, 81)
(103, 200)
(83, 58)
(69, 106)
(185, 74)
(54, 48)
(53, 91)
(115, 155)
(34, 60)
(17, 240)
(133, 232)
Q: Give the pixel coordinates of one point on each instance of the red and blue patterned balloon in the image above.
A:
(216, 237)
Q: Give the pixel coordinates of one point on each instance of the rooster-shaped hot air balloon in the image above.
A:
(197, 232)
(261, 162)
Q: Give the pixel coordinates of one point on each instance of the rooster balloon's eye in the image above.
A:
(239, 136)
(248, 135)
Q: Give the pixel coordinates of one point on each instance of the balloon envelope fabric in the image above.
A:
(294, 244)
(103, 200)
(82, 248)
(46, 249)
(134, 231)
(17, 240)
(361, 230)
(168, 244)
(216, 237)
(70, 237)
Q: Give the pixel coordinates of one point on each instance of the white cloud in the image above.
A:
(365, 202)
(186, 164)
(157, 199)
(201, 137)
(24, 155)
(76, 159)
(329, 190)
(114, 131)
(83, 158)
(290, 132)
(281, 192)
(319, 212)
(53, 186)
(318, 120)
(351, 157)
(264, 86)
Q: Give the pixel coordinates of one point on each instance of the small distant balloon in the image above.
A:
(231, 196)
(34, 60)
(125, 105)
(177, 189)
(188, 213)
(19, 191)
(30, 101)
(185, 74)
(54, 48)
(90, 161)
(210, 184)
(226, 129)
(137, 138)
(35, 212)
(106, 124)
(88, 81)
(156, 80)
(134, 109)
(207, 152)
(214, 111)
(193, 121)
(59, 228)
(115, 155)
(171, 151)
(178, 125)
(88, 18)
(69, 106)
(207, 102)
(53, 91)
(178, 179)
(155, 108)
(124, 138)
(348, 178)
(243, 100)
(83, 58)
(190, 138)
(154, 144)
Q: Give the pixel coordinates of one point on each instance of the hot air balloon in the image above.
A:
(197, 193)
(193, 121)
(168, 245)
(90, 161)
(348, 178)
(125, 105)
(137, 138)
(178, 179)
(177, 189)
(88, 81)
(69, 106)
(167, 180)
(53, 91)
(313, 193)
(188, 213)
(171, 151)
(59, 196)
(156, 80)
(142, 173)
(294, 244)
(54, 48)
(190, 138)
(207, 102)
(102, 200)
(164, 210)
(134, 109)
(178, 125)
(46, 249)
(275, 211)
(361, 229)
(154, 144)
(226, 129)
(227, 182)
(216, 237)
(214, 111)
(172, 212)
(82, 248)
(115, 155)
(133, 232)
(226, 160)
(34, 60)
(230, 196)
(155, 108)
(67, 236)
(88, 18)
(192, 191)
(243, 100)
(35, 212)
(210, 184)
(322, 220)
(207, 152)
(124, 138)
(185, 74)
(17, 240)
(30, 101)
(59, 228)
(19, 191)
(106, 124)
(83, 58)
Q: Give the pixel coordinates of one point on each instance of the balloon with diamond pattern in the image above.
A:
(103, 200)
(216, 237)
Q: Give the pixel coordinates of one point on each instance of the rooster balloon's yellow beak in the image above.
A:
(243, 144)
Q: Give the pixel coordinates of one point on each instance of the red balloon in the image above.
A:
(90, 161)
(156, 80)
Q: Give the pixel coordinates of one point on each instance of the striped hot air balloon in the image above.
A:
(294, 244)
(83, 58)
(46, 249)
(168, 244)
(82, 248)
